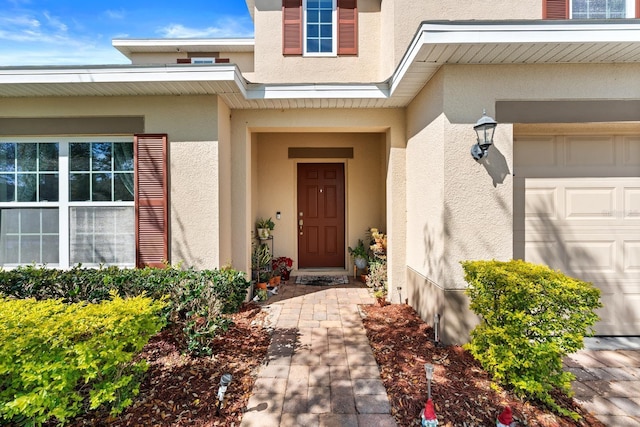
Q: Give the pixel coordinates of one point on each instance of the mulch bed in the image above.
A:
(461, 390)
(180, 390)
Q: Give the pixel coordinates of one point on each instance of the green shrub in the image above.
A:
(532, 317)
(58, 359)
(198, 298)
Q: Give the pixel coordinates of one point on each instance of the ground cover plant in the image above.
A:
(56, 358)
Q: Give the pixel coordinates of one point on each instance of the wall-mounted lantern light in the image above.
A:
(484, 130)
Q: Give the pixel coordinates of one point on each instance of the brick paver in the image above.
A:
(320, 369)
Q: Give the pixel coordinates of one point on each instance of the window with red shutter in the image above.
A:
(347, 27)
(292, 27)
(320, 27)
(151, 207)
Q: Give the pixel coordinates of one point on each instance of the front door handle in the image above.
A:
(300, 224)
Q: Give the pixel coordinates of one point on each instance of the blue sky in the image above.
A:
(74, 32)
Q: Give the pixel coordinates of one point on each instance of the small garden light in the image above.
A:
(225, 380)
(428, 368)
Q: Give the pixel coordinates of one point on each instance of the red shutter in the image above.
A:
(292, 27)
(555, 9)
(152, 219)
(637, 8)
(347, 27)
(184, 61)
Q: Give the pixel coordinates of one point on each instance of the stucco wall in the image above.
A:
(364, 179)
(270, 62)
(407, 16)
(458, 208)
(192, 127)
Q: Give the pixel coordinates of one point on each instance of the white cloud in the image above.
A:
(55, 22)
(226, 27)
(115, 14)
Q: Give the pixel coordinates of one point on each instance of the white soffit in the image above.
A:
(130, 46)
(435, 44)
(514, 42)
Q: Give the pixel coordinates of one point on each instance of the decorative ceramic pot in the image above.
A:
(263, 233)
(361, 262)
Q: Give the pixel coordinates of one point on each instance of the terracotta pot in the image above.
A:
(275, 280)
(363, 278)
(261, 285)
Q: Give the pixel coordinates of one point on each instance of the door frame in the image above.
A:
(346, 207)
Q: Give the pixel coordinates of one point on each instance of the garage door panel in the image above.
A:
(537, 151)
(541, 203)
(607, 316)
(590, 151)
(545, 252)
(631, 251)
(631, 151)
(590, 256)
(632, 203)
(578, 211)
(590, 202)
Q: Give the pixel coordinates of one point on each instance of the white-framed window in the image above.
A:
(320, 27)
(65, 201)
(602, 9)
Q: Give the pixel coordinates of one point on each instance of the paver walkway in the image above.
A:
(608, 384)
(321, 370)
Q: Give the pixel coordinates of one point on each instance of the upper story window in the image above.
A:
(591, 9)
(601, 9)
(319, 19)
(320, 27)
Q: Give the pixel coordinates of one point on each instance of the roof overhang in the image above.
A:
(434, 45)
(131, 46)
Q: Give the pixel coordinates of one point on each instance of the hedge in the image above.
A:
(198, 299)
(58, 359)
(532, 316)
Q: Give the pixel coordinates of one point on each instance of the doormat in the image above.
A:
(322, 280)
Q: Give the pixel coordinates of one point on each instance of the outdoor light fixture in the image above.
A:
(428, 368)
(225, 380)
(484, 130)
(436, 328)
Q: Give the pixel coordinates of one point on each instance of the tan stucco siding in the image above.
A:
(407, 16)
(192, 127)
(224, 183)
(270, 61)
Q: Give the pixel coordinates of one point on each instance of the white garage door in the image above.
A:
(577, 209)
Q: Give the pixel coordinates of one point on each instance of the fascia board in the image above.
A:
(319, 91)
(124, 74)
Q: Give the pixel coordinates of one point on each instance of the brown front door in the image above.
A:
(320, 215)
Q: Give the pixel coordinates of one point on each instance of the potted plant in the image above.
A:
(264, 227)
(282, 266)
(260, 262)
(360, 255)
